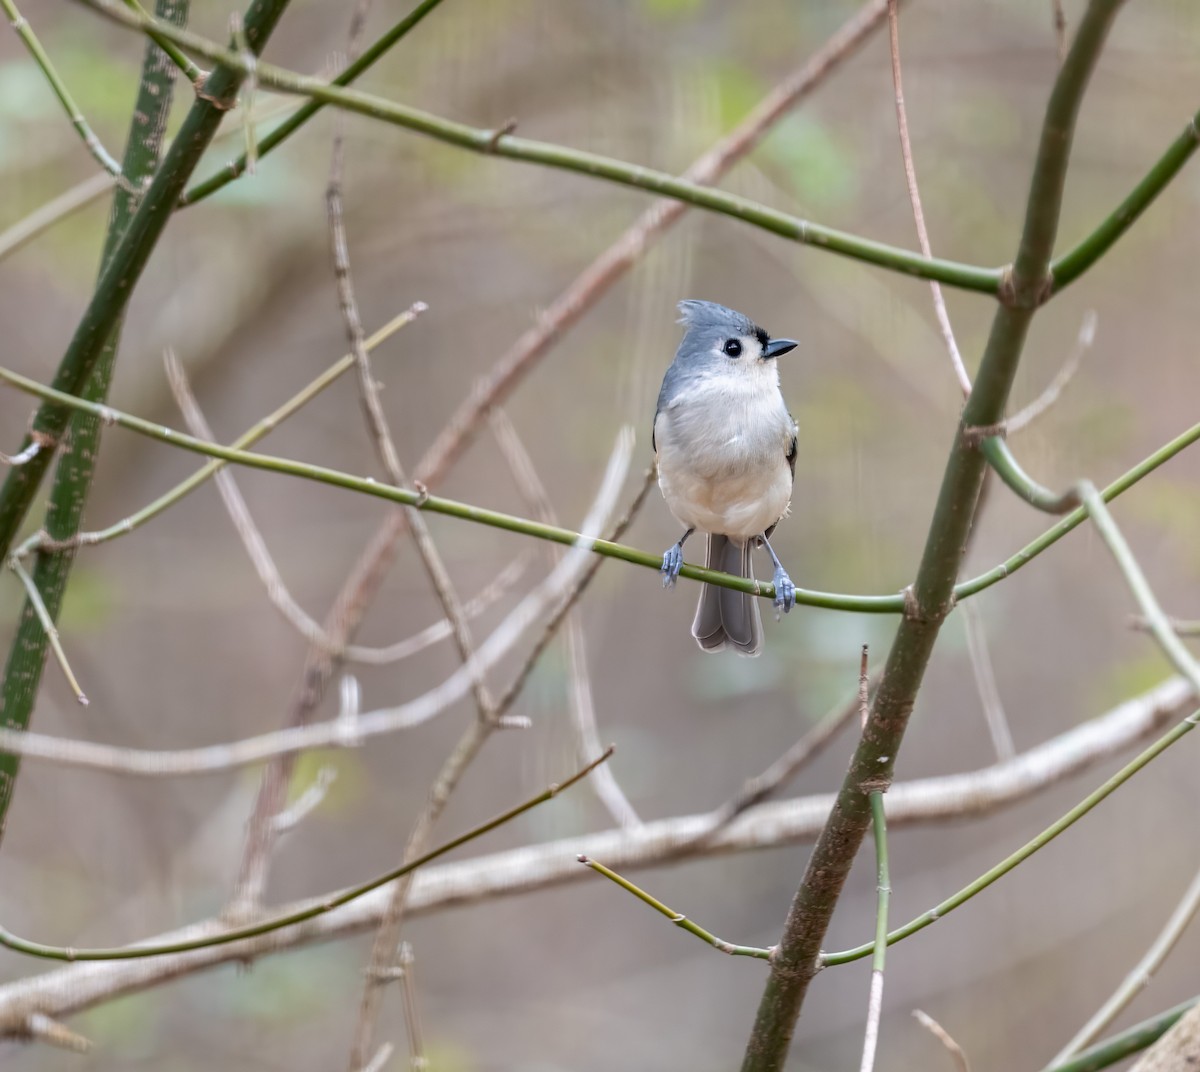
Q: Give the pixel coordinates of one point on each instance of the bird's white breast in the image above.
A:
(722, 453)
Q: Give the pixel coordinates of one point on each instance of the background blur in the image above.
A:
(176, 644)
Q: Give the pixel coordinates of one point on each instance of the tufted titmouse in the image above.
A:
(726, 450)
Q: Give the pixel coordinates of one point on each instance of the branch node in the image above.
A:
(493, 142)
(1006, 291)
(972, 435)
(222, 104)
(422, 493)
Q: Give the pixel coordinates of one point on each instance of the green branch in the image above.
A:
(73, 476)
(125, 266)
(1180, 730)
(91, 142)
(1156, 621)
(678, 918)
(501, 143)
(186, 67)
(302, 115)
(1006, 467)
(932, 596)
(326, 904)
(857, 604)
(42, 540)
(1072, 264)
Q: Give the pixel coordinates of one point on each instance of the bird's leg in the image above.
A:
(785, 591)
(673, 560)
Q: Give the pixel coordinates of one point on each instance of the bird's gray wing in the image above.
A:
(791, 450)
(666, 395)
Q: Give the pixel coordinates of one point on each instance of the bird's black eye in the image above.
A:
(733, 348)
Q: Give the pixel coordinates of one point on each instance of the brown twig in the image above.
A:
(985, 683)
(1060, 28)
(1030, 413)
(455, 766)
(268, 573)
(583, 708)
(914, 196)
(757, 789)
(957, 1053)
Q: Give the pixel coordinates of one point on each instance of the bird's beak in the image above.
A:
(779, 346)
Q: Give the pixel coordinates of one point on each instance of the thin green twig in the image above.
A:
(1156, 621)
(39, 540)
(29, 227)
(122, 270)
(501, 143)
(678, 918)
(1022, 854)
(89, 137)
(1007, 468)
(1072, 264)
(285, 130)
(327, 904)
(860, 604)
(48, 627)
(191, 71)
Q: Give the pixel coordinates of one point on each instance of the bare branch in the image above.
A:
(78, 986)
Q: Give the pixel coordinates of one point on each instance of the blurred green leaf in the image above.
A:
(128, 1024)
(820, 167)
(89, 600)
(672, 8)
(347, 788)
(289, 989)
(1174, 506)
(1128, 677)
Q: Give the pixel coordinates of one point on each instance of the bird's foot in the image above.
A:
(785, 592)
(672, 564)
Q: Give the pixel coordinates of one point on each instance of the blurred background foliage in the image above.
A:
(176, 644)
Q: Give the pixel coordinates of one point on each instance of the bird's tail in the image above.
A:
(726, 618)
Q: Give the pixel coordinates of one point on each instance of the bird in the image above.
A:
(725, 447)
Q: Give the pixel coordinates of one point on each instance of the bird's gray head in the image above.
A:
(721, 340)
